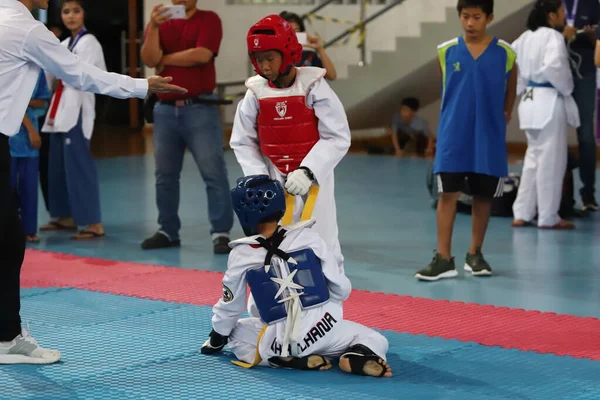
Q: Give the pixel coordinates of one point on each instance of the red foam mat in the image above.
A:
(486, 325)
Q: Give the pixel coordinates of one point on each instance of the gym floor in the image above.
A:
(130, 322)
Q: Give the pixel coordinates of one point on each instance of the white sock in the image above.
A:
(220, 234)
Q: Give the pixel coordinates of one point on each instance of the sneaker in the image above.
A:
(590, 205)
(437, 269)
(476, 265)
(24, 350)
(159, 241)
(221, 245)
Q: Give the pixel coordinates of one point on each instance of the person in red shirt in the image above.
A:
(186, 49)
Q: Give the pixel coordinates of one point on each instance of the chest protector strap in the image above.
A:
(280, 295)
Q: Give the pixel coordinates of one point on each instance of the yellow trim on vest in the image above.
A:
(442, 60)
(511, 56)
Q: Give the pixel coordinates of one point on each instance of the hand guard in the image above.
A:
(214, 344)
(299, 181)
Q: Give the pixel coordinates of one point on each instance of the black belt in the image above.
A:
(196, 100)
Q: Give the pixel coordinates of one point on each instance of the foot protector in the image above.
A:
(299, 363)
(214, 344)
(358, 356)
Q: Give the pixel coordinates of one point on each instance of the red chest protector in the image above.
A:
(287, 127)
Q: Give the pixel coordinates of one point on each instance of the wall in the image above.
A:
(232, 63)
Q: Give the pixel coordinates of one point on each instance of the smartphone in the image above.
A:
(175, 12)
(302, 37)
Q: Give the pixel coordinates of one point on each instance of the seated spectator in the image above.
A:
(313, 54)
(409, 131)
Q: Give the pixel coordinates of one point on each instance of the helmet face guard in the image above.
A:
(255, 198)
(274, 33)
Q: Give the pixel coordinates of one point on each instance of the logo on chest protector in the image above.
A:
(227, 294)
(318, 331)
(281, 108)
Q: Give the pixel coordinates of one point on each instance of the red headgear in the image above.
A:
(274, 33)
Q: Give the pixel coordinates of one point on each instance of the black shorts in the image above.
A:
(479, 185)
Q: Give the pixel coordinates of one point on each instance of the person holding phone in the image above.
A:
(313, 52)
(186, 49)
(26, 45)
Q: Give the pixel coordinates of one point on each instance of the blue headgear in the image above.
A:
(255, 198)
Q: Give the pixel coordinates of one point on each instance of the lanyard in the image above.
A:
(572, 13)
(83, 31)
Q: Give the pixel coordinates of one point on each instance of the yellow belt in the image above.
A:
(257, 357)
(309, 206)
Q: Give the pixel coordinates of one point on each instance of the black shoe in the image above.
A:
(589, 201)
(476, 265)
(438, 268)
(159, 241)
(221, 245)
(590, 205)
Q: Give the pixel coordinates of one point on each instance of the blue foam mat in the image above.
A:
(117, 347)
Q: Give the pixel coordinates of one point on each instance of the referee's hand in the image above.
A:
(160, 84)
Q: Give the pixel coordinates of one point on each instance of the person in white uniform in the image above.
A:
(291, 126)
(25, 46)
(74, 190)
(546, 110)
(298, 289)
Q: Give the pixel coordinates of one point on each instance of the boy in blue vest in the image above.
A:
(24, 152)
(479, 86)
(298, 290)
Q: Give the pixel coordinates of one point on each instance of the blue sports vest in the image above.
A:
(472, 128)
(309, 276)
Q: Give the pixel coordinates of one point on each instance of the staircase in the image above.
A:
(371, 93)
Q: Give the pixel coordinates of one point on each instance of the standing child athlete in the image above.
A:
(299, 290)
(546, 110)
(479, 83)
(291, 126)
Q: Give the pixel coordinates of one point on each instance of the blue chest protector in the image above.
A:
(309, 275)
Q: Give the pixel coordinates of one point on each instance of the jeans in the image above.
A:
(585, 97)
(197, 127)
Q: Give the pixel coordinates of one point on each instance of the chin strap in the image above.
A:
(277, 82)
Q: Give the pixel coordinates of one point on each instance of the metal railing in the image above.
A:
(317, 8)
(361, 26)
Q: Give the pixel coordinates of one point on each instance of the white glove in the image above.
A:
(298, 183)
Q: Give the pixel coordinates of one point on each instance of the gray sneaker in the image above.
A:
(476, 264)
(24, 350)
(438, 268)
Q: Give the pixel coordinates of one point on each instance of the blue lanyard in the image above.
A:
(73, 42)
(572, 13)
